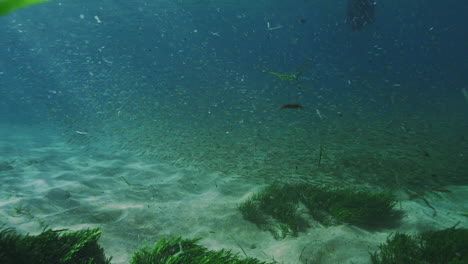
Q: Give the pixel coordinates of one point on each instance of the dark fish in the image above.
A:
(291, 106)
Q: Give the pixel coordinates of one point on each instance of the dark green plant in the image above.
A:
(176, 250)
(320, 156)
(317, 200)
(80, 247)
(251, 211)
(277, 202)
(51, 246)
(288, 215)
(401, 248)
(21, 210)
(274, 203)
(281, 202)
(361, 208)
(347, 205)
(448, 246)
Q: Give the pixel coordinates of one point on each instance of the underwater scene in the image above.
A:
(233, 131)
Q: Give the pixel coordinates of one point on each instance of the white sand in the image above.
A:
(54, 184)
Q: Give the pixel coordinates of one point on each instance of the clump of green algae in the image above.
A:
(276, 207)
(448, 246)
(80, 247)
(51, 246)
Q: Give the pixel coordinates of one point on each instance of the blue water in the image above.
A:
(195, 85)
(165, 71)
(174, 74)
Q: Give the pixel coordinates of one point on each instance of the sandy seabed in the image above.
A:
(46, 182)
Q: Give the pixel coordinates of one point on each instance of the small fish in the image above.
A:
(291, 106)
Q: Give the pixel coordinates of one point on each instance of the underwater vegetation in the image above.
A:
(80, 247)
(176, 250)
(276, 208)
(51, 246)
(7, 6)
(448, 246)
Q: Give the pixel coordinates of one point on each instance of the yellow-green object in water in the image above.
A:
(6, 6)
(286, 77)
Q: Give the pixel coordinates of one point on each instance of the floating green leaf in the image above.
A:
(7, 6)
(286, 77)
